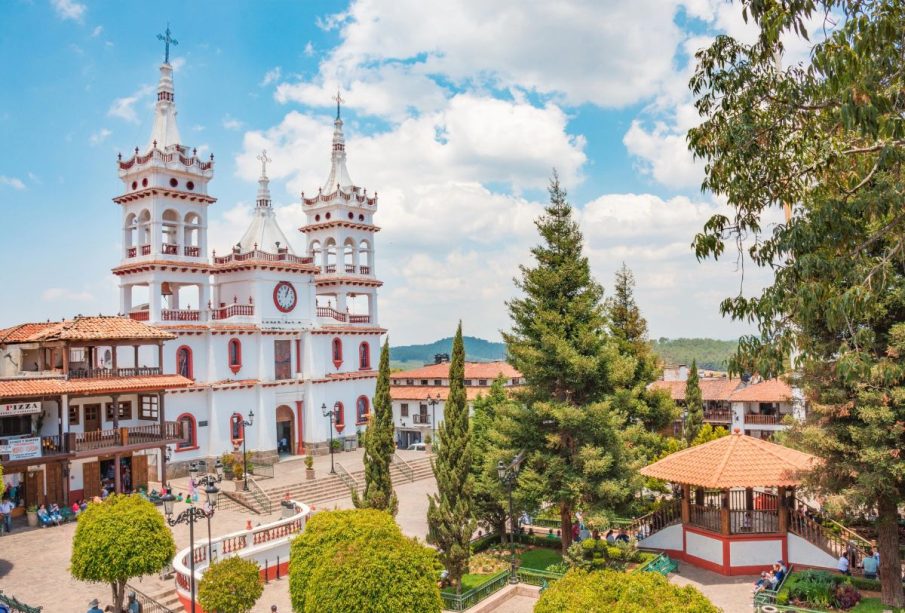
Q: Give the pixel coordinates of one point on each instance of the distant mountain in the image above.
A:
(710, 353)
(476, 350)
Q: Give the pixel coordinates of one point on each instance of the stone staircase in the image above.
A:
(163, 597)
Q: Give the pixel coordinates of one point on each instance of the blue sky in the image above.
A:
(455, 114)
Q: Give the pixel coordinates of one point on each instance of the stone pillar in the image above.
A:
(125, 299)
(204, 297)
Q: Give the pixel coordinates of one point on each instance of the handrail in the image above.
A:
(404, 466)
(850, 534)
(655, 521)
(260, 496)
(346, 477)
(817, 534)
(148, 604)
(466, 600)
(17, 605)
(259, 254)
(109, 373)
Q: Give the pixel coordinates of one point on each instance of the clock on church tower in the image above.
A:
(285, 296)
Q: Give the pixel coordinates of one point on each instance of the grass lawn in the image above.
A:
(540, 558)
(871, 605)
(470, 582)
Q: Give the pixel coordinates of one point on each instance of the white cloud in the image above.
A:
(178, 63)
(69, 9)
(231, 123)
(12, 182)
(99, 136)
(663, 153)
(271, 76)
(124, 108)
(309, 49)
(97, 31)
(65, 294)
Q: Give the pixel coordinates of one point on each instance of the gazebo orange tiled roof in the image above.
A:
(736, 460)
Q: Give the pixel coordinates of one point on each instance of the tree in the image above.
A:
(625, 316)
(379, 446)
(694, 404)
(231, 585)
(326, 531)
(450, 514)
(608, 591)
(821, 140)
(120, 538)
(378, 577)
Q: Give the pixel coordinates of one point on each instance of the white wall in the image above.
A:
(803, 552)
(704, 547)
(667, 538)
(755, 553)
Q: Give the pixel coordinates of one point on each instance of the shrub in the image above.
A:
(597, 554)
(611, 592)
(309, 461)
(232, 585)
(847, 596)
(486, 564)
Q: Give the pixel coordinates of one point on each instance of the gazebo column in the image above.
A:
(782, 507)
(725, 523)
(686, 503)
(749, 498)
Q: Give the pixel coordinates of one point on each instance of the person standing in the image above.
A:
(842, 565)
(94, 606)
(133, 606)
(6, 510)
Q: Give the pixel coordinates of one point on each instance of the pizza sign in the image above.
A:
(19, 408)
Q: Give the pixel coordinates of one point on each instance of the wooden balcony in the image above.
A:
(763, 420)
(418, 418)
(718, 415)
(110, 373)
(151, 434)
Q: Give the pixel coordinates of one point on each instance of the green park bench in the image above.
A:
(662, 564)
(767, 596)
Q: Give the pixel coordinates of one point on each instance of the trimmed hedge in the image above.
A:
(231, 584)
(613, 592)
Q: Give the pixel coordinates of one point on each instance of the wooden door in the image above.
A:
(92, 417)
(91, 479)
(139, 472)
(55, 484)
(34, 488)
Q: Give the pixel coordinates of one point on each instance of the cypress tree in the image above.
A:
(449, 514)
(694, 404)
(378, 444)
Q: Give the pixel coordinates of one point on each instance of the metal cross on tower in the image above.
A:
(264, 159)
(168, 40)
(339, 100)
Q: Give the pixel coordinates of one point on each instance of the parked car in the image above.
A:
(417, 447)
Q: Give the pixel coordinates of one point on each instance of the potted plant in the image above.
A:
(309, 468)
(32, 514)
(427, 442)
(336, 445)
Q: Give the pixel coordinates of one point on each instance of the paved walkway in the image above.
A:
(731, 594)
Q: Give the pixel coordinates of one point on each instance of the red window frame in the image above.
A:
(364, 356)
(336, 350)
(183, 446)
(236, 365)
(236, 421)
(362, 418)
(340, 421)
(191, 361)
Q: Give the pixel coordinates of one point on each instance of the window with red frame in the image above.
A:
(364, 356)
(235, 354)
(236, 427)
(340, 417)
(184, 361)
(189, 432)
(337, 352)
(362, 408)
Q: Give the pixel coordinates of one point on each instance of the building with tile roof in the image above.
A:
(419, 395)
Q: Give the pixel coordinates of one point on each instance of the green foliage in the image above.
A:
(373, 576)
(450, 513)
(379, 446)
(118, 539)
(694, 404)
(325, 532)
(598, 554)
(824, 137)
(709, 353)
(489, 495)
(231, 585)
(476, 349)
(580, 591)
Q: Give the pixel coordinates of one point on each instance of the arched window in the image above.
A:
(340, 422)
(184, 362)
(337, 352)
(235, 354)
(236, 428)
(364, 356)
(189, 432)
(362, 409)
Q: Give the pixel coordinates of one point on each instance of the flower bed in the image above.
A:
(819, 590)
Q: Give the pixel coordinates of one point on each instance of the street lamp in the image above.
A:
(508, 476)
(433, 402)
(212, 495)
(190, 516)
(245, 424)
(333, 414)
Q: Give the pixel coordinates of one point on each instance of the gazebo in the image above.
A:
(735, 512)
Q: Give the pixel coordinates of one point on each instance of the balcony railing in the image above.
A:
(331, 313)
(180, 315)
(365, 270)
(705, 517)
(763, 420)
(139, 315)
(131, 252)
(359, 319)
(123, 437)
(169, 249)
(719, 415)
(233, 310)
(146, 249)
(421, 419)
(330, 269)
(350, 268)
(192, 252)
(257, 254)
(110, 373)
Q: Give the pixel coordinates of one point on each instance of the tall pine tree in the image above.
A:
(450, 515)
(694, 404)
(379, 446)
(559, 341)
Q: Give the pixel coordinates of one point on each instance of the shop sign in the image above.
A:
(22, 448)
(20, 408)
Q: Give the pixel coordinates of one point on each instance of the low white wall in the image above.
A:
(803, 552)
(755, 553)
(667, 538)
(704, 547)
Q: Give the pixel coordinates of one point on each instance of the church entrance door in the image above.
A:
(285, 431)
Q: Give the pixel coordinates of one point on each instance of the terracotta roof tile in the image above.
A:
(85, 328)
(420, 392)
(772, 390)
(723, 388)
(31, 388)
(473, 370)
(22, 332)
(736, 460)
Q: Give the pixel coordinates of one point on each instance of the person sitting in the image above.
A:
(76, 509)
(766, 578)
(870, 565)
(622, 537)
(611, 537)
(44, 517)
(779, 572)
(94, 606)
(55, 514)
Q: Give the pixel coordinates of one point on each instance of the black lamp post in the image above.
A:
(190, 516)
(245, 424)
(433, 402)
(508, 476)
(333, 414)
(209, 481)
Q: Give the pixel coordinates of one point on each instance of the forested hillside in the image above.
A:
(711, 354)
